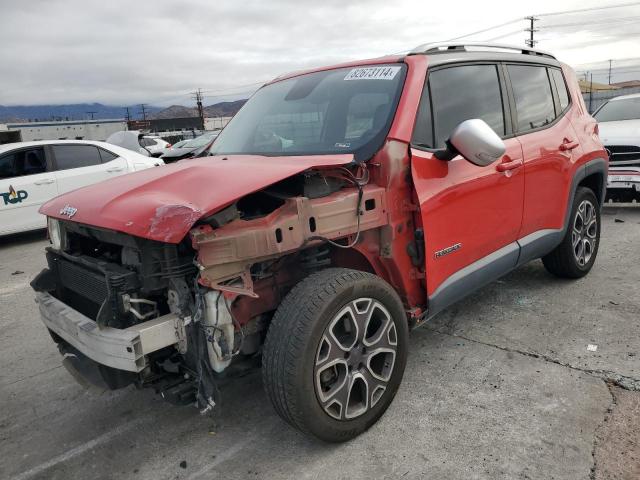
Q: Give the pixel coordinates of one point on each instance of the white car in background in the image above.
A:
(619, 126)
(32, 173)
(154, 145)
(137, 141)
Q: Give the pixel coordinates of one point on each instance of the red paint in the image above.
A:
(163, 203)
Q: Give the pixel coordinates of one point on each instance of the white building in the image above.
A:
(68, 130)
(216, 123)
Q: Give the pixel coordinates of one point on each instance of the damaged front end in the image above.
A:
(180, 317)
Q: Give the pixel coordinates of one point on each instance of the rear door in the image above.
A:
(26, 182)
(81, 165)
(549, 143)
(471, 215)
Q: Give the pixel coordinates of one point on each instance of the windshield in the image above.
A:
(347, 110)
(624, 109)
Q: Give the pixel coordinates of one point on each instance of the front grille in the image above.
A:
(624, 155)
(90, 285)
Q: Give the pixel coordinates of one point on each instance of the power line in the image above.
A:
(510, 22)
(591, 9)
(602, 22)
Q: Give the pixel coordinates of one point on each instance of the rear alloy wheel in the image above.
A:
(335, 353)
(575, 256)
(584, 232)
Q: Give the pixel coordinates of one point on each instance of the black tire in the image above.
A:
(565, 260)
(300, 335)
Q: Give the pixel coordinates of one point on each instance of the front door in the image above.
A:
(471, 215)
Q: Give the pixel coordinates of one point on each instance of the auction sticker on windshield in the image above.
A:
(373, 73)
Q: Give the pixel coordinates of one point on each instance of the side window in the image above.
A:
(75, 156)
(459, 94)
(561, 87)
(532, 92)
(106, 156)
(23, 162)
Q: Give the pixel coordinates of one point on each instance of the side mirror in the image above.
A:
(475, 141)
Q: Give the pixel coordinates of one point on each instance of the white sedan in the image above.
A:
(32, 173)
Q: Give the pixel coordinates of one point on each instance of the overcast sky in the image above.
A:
(126, 52)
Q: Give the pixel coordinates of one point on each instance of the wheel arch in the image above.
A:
(597, 183)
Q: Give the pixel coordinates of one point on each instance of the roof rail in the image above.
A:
(449, 47)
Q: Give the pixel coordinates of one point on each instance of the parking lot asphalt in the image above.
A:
(502, 385)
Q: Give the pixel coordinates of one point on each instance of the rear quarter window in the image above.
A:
(561, 87)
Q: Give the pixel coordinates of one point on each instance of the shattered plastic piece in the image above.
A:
(592, 348)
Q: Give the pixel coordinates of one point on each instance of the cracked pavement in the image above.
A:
(499, 386)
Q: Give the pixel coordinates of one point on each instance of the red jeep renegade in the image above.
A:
(340, 208)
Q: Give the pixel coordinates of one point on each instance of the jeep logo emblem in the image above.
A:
(68, 211)
(13, 197)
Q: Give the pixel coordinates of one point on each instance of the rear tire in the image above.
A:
(575, 256)
(335, 353)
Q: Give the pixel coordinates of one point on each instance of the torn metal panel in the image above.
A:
(226, 253)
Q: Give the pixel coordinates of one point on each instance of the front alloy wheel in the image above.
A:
(355, 359)
(335, 353)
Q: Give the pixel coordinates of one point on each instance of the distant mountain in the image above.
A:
(175, 111)
(78, 111)
(224, 109)
(83, 111)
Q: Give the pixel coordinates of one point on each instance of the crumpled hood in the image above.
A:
(163, 203)
(623, 132)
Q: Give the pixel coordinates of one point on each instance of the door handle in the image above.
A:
(44, 181)
(115, 169)
(510, 165)
(568, 145)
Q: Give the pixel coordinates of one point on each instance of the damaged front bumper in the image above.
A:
(122, 349)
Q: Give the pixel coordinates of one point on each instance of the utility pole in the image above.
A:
(610, 71)
(530, 42)
(143, 111)
(128, 114)
(90, 113)
(198, 98)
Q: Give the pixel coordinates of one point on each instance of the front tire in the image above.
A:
(335, 353)
(575, 256)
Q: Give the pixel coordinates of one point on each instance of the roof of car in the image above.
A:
(624, 97)
(439, 54)
(10, 146)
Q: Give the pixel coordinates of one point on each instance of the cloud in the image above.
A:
(124, 52)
